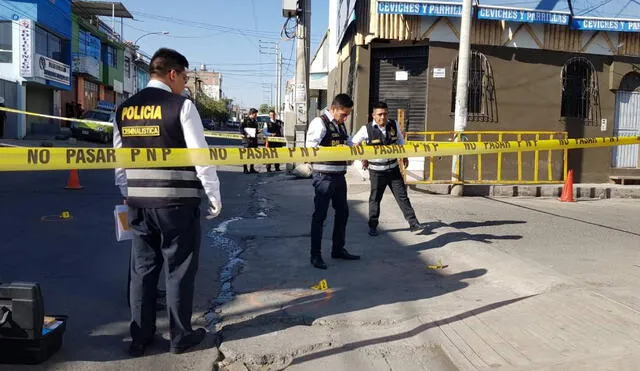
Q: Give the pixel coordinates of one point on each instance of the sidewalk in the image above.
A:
(580, 190)
(524, 288)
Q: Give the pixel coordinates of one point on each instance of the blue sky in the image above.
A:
(224, 35)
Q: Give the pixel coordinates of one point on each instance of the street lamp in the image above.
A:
(150, 33)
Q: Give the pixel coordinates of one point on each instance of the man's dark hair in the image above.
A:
(252, 111)
(164, 60)
(380, 105)
(342, 101)
(272, 111)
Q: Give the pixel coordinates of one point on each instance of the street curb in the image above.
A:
(580, 191)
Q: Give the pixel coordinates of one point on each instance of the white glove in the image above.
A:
(215, 207)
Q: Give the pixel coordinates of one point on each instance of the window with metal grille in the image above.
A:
(481, 102)
(580, 93)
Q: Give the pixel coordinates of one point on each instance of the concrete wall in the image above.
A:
(528, 97)
(528, 88)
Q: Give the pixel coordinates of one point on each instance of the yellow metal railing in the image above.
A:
(478, 169)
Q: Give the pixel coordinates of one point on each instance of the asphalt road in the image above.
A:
(82, 270)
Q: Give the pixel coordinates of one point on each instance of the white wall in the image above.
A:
(11, 71)
(331, 38)
(128, 84)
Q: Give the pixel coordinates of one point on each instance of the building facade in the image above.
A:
(35, 62)
(537, 67)
(98, 59)
(206, 82)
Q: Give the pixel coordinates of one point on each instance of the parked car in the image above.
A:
(208, 124)
(233, 123)
(105, 113)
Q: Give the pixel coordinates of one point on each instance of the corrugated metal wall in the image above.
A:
(627, 125)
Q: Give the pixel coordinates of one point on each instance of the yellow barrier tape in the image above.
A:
(54, 117)
(214, 134)
(207, 133)
(29, 159)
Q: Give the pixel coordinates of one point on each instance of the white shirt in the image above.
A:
(362, 135)
(194, 138)
(316, 130)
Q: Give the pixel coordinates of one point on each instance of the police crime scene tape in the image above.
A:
(213, 134)
(207, 133)
(37, 158)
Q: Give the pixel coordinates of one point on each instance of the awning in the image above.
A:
(101, 8)
(444, 8)
(528, 11)
(606, 15)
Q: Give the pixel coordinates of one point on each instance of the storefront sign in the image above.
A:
(422, 8)
(402, 75)
(605, 25)
(26, 47)
(50, 69)
(439, 73)
(526, 16)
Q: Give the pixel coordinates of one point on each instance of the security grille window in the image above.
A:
(580, 94)
(90, 95)
(481, 102)
(6, 46)
(111, 56)
(127, 67)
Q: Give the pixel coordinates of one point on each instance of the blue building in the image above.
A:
(35, 59)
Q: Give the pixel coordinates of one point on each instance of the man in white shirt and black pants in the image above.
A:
(164, 203)
(385, 173)
(329, 182)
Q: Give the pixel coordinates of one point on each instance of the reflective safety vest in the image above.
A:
(335, 135)
(151, 120)
(376, 137)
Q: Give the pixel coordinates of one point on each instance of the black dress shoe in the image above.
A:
(137, 348)
(317, 262)
(417, 227)
(189, 341)
(373, 231)
(344, 255)
(253, 171)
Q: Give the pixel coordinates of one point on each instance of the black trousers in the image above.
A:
(275, 145)
(169, 236)
(251, 143)
(392, 178)
(329, 188)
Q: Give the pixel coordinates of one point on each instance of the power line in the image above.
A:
(214, 27)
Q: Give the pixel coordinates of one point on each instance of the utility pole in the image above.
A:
(462, 87)
(302, 71)
(275, 50)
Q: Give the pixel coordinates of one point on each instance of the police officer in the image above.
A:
(249, 130)
(385, 173)
(273, 128)
(329, 182)
(164, 203)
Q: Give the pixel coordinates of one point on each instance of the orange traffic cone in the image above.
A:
(567, 190)
(74, 180)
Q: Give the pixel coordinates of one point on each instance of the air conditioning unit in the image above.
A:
(289, 8)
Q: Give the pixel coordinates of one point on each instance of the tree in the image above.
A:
(210, 108)
(265, 108)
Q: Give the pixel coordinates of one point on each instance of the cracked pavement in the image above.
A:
(521, 290)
